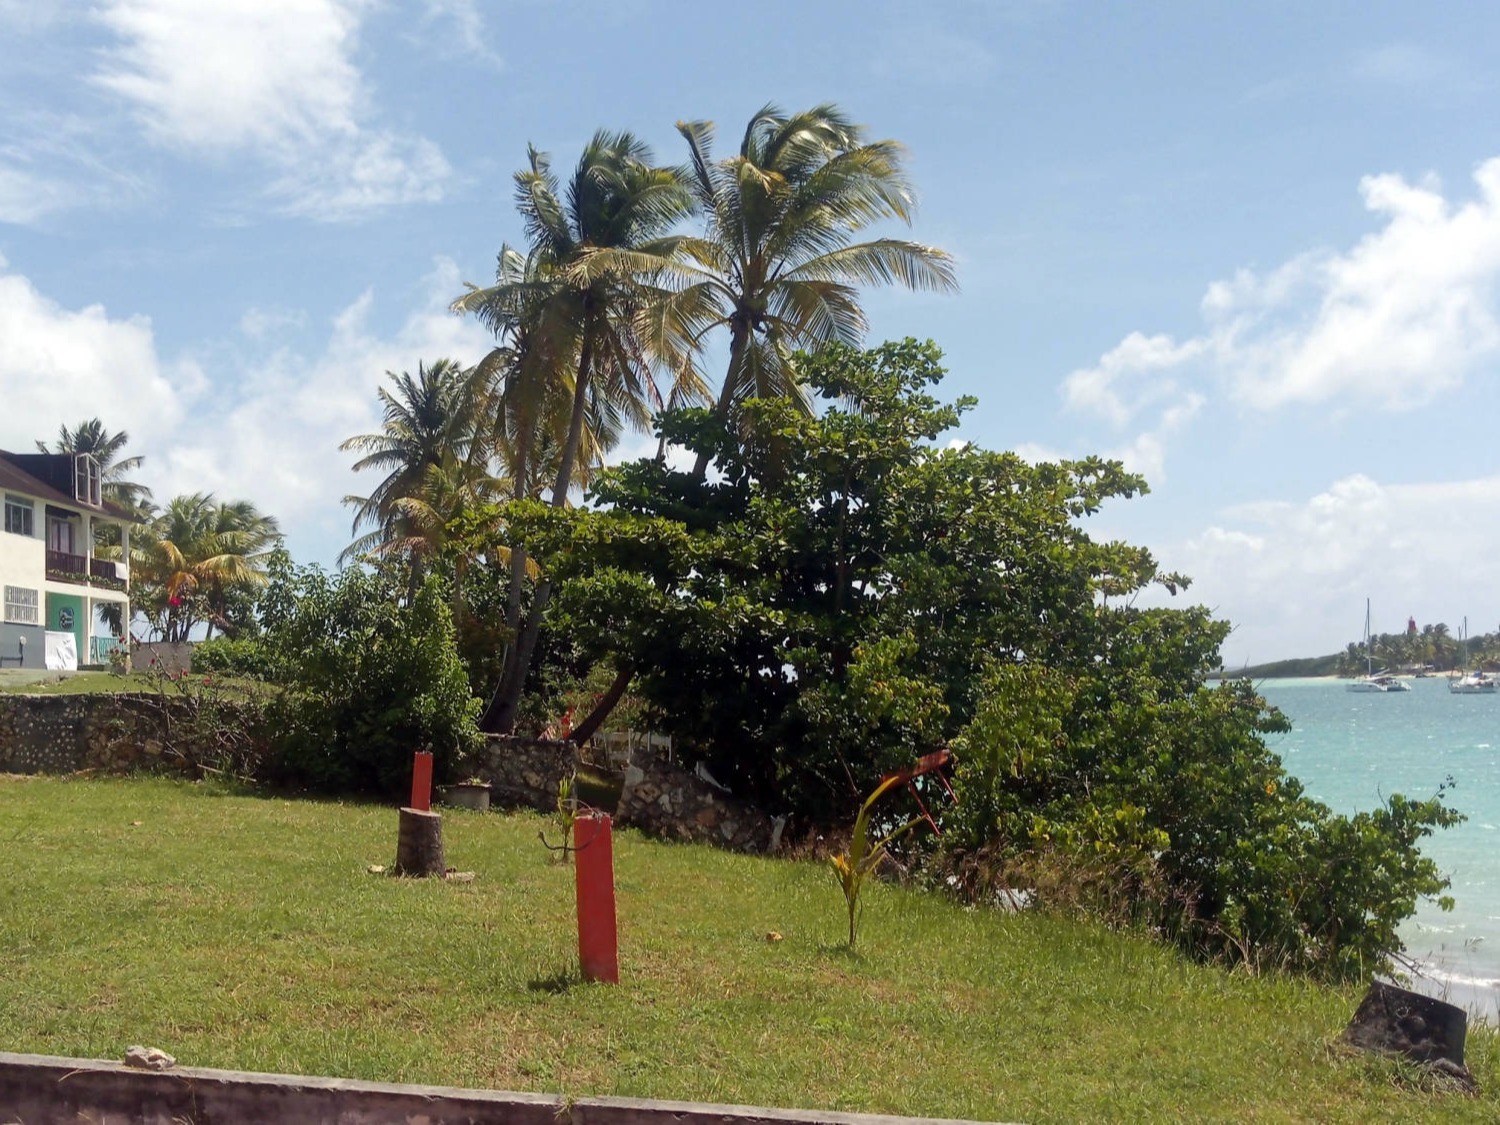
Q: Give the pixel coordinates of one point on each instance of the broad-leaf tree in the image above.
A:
(852, 591)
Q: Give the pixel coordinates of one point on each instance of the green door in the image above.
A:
(65, 615)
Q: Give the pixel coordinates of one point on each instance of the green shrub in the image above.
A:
(1115, 794)
(232, 656)
(369, 676)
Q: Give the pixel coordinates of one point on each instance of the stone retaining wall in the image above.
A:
(659, 797)
(118, 733)
(524, 773)
(662, 799)
(112, 733)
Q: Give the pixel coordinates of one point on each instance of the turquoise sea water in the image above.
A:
(1351, 749)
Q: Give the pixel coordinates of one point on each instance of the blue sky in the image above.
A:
(1253, 250)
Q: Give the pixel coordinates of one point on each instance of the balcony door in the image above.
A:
(62, 535)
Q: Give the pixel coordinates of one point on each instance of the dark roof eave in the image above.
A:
(13, 478)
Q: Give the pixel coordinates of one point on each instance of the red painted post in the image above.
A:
(594, 869)
(421, 780)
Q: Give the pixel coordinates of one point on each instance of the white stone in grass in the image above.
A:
(149, 1058)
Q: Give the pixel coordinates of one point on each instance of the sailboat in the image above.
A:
(1476, 682)
(1370, 682)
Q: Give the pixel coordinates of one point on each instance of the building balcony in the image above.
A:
(63, 567)
(104, 574)
(109, 574)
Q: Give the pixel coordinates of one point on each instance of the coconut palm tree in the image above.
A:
(194, 555)
(427, 435)
(572, 309)
(779, 266)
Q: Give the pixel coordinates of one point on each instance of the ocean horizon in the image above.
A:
(1352, 750)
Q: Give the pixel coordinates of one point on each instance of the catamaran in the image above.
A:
(1477, 682)
(1371, 681)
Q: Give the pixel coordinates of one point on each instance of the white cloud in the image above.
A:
(257, 323)
(1102, 388)
(1401, 64)
(59, 366)
(1147, 454)
(1035, 453)
(25, 17)
(276, 78)
(1293, 575)
(1407, 313)
(462, 23)
(235, 73)
(270, 436)
(275, 438)
(379, 171)
(26, 197)
(49, 162)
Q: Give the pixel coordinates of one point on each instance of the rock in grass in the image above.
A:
(149, 1058)
(1428, 1031)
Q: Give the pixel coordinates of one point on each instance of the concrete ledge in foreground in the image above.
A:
(47, 1090)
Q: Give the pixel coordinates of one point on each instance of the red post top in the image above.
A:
(421, 780)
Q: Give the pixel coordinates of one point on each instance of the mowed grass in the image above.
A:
(31, 682)
(246, 932)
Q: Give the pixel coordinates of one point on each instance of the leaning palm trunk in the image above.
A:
(500, 716)
(586, 729)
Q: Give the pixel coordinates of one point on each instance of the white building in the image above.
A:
(53, 583)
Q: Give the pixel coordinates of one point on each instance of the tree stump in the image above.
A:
(419, 845)
(1424, 1029)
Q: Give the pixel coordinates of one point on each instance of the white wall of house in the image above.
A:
(24, 556)
(23, 564)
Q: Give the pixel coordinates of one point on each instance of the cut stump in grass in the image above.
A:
(1428, 1031)
(419, 844)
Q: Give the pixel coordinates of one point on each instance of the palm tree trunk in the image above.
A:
(739, 340)
(501, 715)
(489, 720)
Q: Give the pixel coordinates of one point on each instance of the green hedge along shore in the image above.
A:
(248, 932)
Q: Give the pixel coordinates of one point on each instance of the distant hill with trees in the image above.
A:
(1434, 647)
(1285, 669)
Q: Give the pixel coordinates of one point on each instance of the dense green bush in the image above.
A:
(1115, 792)
(232, 656)
(850, 590)
(369, 676)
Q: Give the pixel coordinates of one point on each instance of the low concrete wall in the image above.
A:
(160, 656)
(46, 1090)
(15, 654)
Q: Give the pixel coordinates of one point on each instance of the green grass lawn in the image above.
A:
(30, 682)
(246, 932)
